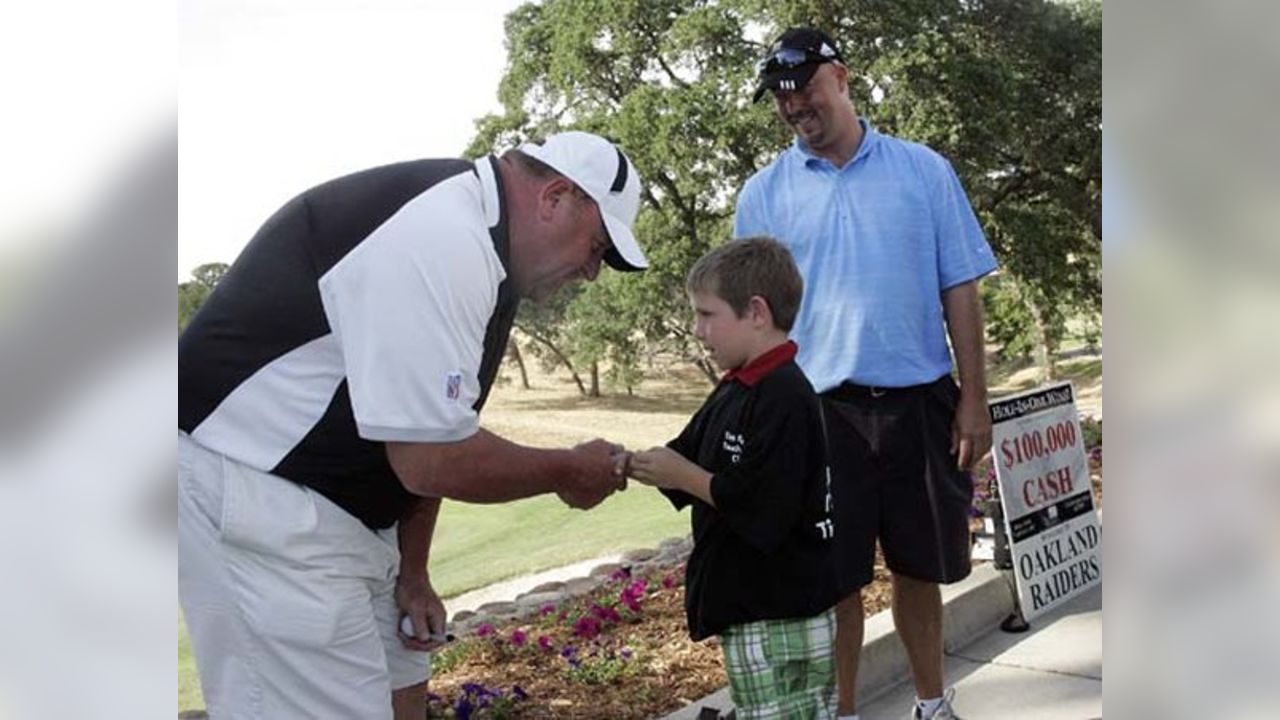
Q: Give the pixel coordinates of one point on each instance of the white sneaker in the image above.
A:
(944, 710)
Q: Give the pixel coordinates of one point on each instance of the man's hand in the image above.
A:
(970, 430)
(599, 471)
(419, 602)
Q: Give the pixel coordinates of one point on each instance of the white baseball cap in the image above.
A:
(604, 173)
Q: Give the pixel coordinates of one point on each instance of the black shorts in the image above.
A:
(894, 479)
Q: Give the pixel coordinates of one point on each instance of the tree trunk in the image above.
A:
(1044, 347)
(577, 379)
(513, 350)
(595, 379)
(704, 365)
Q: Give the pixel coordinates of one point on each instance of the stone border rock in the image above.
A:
(669, 553)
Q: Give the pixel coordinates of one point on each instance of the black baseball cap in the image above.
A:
(793, 59)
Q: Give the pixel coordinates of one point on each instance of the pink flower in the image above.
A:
(606, 614)
(544, 643)
(632, 595)
(668, 582)
(519, 637)
(547, 609)
(586, 627)
(484, 630)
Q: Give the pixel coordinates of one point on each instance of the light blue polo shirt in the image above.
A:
(877, 242)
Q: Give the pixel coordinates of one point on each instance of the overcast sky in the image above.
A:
(279, 95)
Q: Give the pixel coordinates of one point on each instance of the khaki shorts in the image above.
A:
(289, 600)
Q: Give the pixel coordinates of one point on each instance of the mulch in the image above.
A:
(660, 671)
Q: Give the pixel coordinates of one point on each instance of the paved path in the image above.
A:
(509, 589)
(1052, 672)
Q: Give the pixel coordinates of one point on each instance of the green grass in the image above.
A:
(1086, 370)
(189, 695)
(477, 545)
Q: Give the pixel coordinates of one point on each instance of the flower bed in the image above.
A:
(622, 652)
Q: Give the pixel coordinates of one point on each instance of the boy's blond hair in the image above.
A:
(751, 266)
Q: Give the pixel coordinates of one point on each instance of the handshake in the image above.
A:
(601, 468)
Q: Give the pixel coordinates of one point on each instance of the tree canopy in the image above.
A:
(193, 293)
(1010, 91)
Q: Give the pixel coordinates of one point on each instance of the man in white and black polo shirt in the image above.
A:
(329, 392)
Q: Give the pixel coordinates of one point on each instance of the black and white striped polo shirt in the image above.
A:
(371, 308)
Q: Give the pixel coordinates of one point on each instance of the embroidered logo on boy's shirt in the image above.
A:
(733, 444)
(453, 387)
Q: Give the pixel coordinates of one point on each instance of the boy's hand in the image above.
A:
(660, 467)
(622, 466)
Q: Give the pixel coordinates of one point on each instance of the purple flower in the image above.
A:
(568, 651)
(519, 637)
(626, 653)
(462, 709)
(485, 630)
(544, 642)
(519, 693)
(547, 610)
(474, 688)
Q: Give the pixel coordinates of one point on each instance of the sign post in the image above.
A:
(1049, 516)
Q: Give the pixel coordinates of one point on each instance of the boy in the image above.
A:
(752, 462)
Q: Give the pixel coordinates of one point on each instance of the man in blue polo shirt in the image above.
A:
(891, 252)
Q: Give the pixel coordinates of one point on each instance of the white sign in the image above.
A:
(1038, 452)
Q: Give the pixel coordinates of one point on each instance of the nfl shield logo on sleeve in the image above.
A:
(453, 387)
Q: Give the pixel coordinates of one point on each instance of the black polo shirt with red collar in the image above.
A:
(764, 551)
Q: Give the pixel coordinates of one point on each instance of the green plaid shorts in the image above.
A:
(782, 669)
